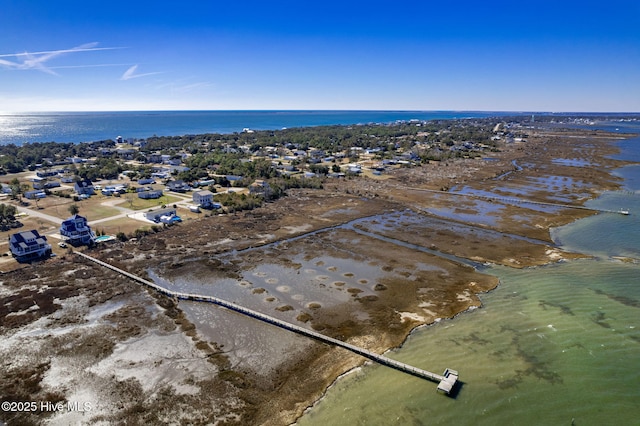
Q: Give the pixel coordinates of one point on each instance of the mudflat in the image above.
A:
(363, 260)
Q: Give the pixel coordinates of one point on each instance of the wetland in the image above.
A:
(362, 260)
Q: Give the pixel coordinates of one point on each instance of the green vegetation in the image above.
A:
(8, 217)
(278, 157)
(234, 202)
(227, 153)
(15, 159)
(133, 202)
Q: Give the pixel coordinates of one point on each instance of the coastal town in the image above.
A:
(357, 233)
(126, 188)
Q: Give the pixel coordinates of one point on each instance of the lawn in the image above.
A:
(113, 227)
(131, 201)
(91, 208)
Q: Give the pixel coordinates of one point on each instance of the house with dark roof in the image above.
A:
(178, 186)
(84, 187)
(35, 194)
(148, 194)
(76, 231)
(29, 245)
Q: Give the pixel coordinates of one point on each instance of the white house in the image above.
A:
(203, 198)
(150, 194)
(155, 215)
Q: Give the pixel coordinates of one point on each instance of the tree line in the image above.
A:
(227, 153)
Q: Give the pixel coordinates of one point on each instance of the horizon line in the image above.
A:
(319, 110)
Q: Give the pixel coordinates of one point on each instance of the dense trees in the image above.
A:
(103, 168)
(227, 153)
(7, 212)
(8, 216)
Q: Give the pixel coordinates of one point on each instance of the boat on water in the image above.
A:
(624, 212)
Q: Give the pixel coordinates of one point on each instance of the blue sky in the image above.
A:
(411, 55)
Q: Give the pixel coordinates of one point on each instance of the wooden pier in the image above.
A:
(446, 381)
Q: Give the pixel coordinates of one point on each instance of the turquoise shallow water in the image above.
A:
(553, 345)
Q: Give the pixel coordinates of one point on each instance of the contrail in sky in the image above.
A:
(37, 60)
(131, 73)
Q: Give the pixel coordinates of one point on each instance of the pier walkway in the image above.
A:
(446, 381)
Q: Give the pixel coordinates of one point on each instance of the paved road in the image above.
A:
(124, 213)
(37, 213)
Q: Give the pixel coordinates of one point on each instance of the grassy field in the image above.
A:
(91, 208)
(131, 201)
(125, 225)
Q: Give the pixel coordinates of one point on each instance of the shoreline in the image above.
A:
(472, 308)
(380, 208)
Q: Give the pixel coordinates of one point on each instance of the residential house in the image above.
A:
(206, 182)
(121, 188)
(178, 169)
(29, 245)
(260, 187)
(317, 153)
(354, 168)
(84, 187)
(160, 173)
(155, 215)
(174, 161)
(203, 198)
(154, 158)
(150, 194)
(233, 180)
(38, 182)
(35, 194)
(126, 153)
(75, 160)
(46, 173)
(178, 186)
(76, 231)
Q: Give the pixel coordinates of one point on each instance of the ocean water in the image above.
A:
(552, 345)
(18, 128)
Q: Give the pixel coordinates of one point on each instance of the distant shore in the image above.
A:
(79, 127)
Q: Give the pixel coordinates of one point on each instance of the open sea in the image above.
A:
(552, 345)
(76, 127)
